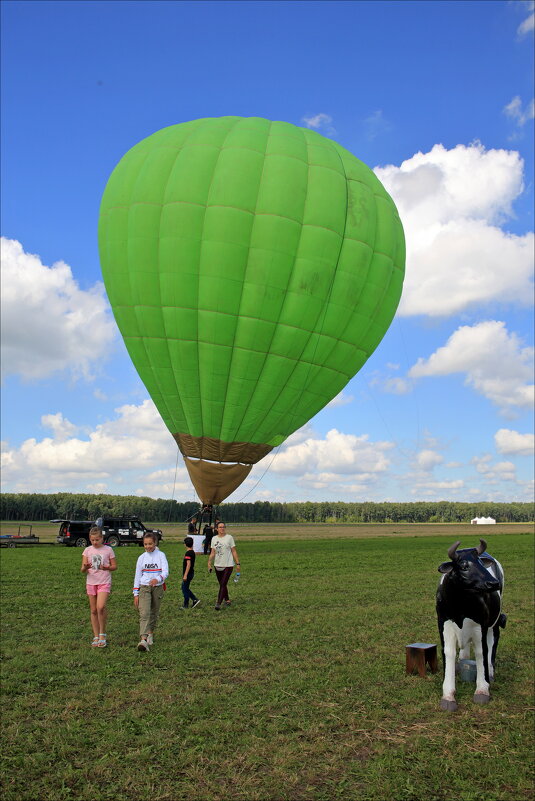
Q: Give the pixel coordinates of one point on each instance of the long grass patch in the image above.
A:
(297, 691)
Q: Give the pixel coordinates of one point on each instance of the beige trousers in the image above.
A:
(150, 599)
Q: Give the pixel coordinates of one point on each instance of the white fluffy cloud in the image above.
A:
(63, 429)
(427, 459)
(162, 484)
(496, 472)
(392, 385)
(508, 441)
(135, 442)
(338, 453)
(49, 324)
(431, 488)
(341, 400)
(452, 204)
(494, 361)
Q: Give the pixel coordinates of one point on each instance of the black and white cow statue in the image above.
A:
(469, 599)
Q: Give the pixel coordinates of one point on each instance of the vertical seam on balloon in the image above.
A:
(296, 360)
(140, 336)
(364, 283)
(171, 412)
(319, 334)
(185, 411)
(322, 311)
(234, 438)
(222, 142)
(200, 410)
(370, 260)
(374, 253)
(156, 382)
(163, 402)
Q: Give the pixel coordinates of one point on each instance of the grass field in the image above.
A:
(247, 532)
(296, 692)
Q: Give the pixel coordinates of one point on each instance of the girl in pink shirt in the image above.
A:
(98, 561)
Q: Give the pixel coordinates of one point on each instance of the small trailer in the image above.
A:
(14, 540)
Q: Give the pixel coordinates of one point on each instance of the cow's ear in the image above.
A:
(486, 561)
(445, 567)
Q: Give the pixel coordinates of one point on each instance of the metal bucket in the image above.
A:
(467, 669)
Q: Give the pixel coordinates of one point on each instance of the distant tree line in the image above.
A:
(71, 506)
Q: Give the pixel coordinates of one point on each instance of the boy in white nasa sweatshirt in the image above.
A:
(149, 585)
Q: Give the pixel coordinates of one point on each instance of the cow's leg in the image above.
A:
(465, 644)
(449, 634)
(482, 693)
(493, 635)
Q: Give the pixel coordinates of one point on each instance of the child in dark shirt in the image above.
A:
(188, 571)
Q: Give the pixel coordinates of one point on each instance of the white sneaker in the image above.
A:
(150, 639)
(143, 645)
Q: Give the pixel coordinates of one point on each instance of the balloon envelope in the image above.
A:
(252, 267)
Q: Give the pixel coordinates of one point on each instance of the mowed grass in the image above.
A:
(257, 532)
(298, 691)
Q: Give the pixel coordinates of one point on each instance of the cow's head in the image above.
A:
(467, 567)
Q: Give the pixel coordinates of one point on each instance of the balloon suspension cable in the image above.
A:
(195, 514)
(389, 432)
(174, 485)
(402, 451)
(262, 476)
(200, 513)
(415, 397)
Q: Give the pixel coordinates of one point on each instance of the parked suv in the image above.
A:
(116, 530)
(128, 528)
(74, 532)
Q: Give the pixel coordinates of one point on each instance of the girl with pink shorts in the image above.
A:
(98, 561)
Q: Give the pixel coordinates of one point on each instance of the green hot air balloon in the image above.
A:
(252, 267)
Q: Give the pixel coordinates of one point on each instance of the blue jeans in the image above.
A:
(187, 593)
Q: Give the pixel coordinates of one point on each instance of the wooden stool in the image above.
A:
(418, 654)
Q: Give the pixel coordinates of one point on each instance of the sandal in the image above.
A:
(95, 642)
(102, 641)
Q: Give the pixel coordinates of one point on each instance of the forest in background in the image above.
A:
(75, 506)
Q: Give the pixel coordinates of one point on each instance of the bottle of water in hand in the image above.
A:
(237, 577)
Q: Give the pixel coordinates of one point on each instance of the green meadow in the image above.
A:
(297, 692)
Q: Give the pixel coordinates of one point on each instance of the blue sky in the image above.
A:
(437, 97)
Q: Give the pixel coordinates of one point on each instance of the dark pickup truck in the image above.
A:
(116, 530)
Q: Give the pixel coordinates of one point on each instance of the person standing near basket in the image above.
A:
(224, 556)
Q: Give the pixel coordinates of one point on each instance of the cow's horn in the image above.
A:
(482, 547)
(453, 548)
